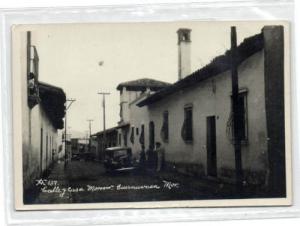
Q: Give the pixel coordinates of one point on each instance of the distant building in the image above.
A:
(98, 143)
(192, 118)
(131, 116)
(75, 147)
(80, 148)
(43, 111)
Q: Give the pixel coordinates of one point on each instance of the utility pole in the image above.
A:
(236, 112)
(69, 102)
(90, 125)
(90, 137)
(104, 127)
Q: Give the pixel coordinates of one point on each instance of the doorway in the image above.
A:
(211, 146)
(41, 152)
(151, 135)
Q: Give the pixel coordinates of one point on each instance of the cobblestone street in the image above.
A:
(87, 182)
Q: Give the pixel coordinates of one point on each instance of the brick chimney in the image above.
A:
(184, 52)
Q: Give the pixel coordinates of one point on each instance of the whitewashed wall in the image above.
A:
(208, 103)
(32, 122)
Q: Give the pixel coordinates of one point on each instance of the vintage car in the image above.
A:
(118, 159)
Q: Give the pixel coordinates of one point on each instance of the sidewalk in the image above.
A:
(73, 174)
(59, 174)
(213, 188)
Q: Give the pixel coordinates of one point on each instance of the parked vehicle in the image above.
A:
(75, 156)
(118, 159)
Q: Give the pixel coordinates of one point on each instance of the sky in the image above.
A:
(70, 55)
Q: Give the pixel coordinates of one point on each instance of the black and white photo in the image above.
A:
(160, 114)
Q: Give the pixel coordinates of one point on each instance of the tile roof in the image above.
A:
(53, 102)
(218, 65)
(107, 131)
(143, 84)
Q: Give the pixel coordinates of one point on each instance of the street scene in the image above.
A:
(151, 112)
(88, 183)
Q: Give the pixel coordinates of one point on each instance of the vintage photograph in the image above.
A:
(158, 114)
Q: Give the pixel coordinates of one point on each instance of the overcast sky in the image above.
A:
(69, 56)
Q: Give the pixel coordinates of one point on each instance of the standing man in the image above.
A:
(160, 153)
(143, 158)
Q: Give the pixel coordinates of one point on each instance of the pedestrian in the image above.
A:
(160, 153)
(150, 158)
(142, 158)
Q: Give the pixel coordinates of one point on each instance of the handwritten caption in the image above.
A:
(54, 187)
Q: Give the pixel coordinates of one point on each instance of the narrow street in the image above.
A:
(87, 182)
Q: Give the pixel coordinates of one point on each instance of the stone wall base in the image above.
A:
(258, 177)
(227, 175)
(191, 169)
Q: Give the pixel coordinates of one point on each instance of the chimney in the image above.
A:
(184, 52)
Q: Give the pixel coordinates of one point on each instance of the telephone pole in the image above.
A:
(69, 102)
(236, 112)
(90, 125)
(90, 137)
(104, 127)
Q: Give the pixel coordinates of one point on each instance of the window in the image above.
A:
(137, 131)
(242, 117)
(187, 128)
(132, 135)
(165, 127)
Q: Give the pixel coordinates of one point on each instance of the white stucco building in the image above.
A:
(43, 111)
(192, 118)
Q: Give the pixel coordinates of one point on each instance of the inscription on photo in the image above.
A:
(54, 187)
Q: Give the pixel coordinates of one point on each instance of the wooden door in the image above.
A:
(211, 146)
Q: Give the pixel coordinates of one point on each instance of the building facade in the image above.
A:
(102, 140)
(193, 117)
(43, 110)
(130, 129)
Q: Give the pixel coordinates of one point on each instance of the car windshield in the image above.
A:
(119, 153)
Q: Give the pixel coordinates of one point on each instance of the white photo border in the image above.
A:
(250, 10)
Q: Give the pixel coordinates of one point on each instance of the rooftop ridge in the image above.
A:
(219, 64)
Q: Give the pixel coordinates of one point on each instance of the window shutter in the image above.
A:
(183, 130)
(142, 136)
(164, 132)
(132, 135)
